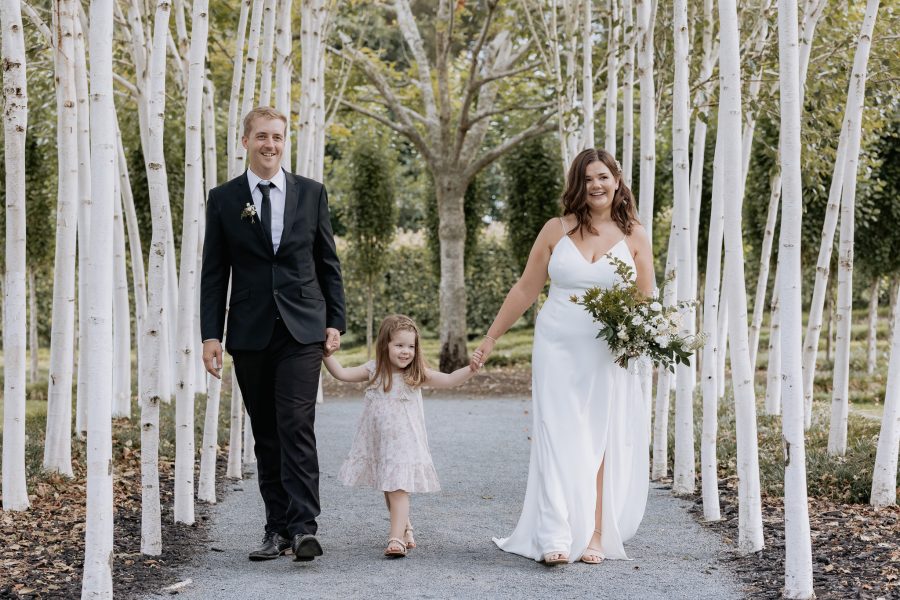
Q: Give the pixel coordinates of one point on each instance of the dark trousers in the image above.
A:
(279, 385)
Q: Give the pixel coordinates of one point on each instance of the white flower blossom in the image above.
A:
(655, 306)
(623, 335)
(637, 320)
(662, 341)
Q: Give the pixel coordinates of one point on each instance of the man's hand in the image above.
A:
(332, 340)
(212, 357)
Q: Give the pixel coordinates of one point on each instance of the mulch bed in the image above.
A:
(42, 553)
(855, 547)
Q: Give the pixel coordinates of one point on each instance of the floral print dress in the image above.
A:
(390, 451)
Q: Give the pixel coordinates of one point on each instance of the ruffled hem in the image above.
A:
(410, 477)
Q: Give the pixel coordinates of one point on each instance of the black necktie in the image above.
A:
(266, 216)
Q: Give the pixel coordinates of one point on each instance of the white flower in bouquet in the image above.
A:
(662, 341)
(655, 306)
(623, 335)
(637, 320)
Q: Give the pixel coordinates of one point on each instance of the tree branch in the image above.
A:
(39, 23)
(542, 126)
(410, 132)
(500, 111)
(413, 38)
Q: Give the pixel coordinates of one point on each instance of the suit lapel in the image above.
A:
(246, 198)
(291, 200)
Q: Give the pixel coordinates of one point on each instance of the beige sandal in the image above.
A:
(408, 538)
(396, 548)
(593, 556)
(555, 558)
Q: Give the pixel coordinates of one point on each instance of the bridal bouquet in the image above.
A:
(635, 326)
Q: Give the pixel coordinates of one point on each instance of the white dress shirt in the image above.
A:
(276, 197)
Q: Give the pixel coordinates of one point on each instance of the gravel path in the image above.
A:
(481, 450)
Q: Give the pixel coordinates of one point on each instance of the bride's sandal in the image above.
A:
(555, 558)
(396, 548)
(592, 556)
(408, 538)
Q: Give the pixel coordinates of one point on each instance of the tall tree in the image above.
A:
(851, 124)
(683, 476)
(612, 77)
(373, 218)
(798, 581)
(884, 476)
(97, 355)
(152, 394)
(840, 402)
(750, 535)
(187, 341)
(15, 124)
(533, 190)
(450, 128)
(58, 436)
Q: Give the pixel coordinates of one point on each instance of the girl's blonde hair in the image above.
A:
(414, 373)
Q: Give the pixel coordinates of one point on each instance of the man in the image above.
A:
(270, 231)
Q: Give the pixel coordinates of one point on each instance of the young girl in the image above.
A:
(390, 450)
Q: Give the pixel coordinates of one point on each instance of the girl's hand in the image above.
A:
(480, 356)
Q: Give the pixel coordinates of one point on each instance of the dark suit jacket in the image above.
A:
(303, 278)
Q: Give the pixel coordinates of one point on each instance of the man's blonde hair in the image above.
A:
(265, 112)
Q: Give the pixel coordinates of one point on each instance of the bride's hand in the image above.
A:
(480, 356)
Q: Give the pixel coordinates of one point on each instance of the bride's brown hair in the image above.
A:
(414, 373)
(574, 198)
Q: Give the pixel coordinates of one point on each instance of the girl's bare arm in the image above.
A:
(348, 374)
(439, 380)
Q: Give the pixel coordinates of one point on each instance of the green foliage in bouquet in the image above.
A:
(634, 325)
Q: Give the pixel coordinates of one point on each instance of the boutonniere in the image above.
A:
(249, 212)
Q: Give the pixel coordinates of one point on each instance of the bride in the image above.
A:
(588, 473)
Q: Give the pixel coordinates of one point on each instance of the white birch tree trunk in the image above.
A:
(84, 215)
(773, 366)
(628, 93)
(646, 16)
(587, 75)
(233, 148)
(698, 146)
(894, 289)
(138, 276)
(798, 580)
(234, 471)
(837, 433)
(283, 71)
(884, 475)
(206, 489)
(151, 527)
(709, 374)
(872, 344)
(852, 122)
(645, 23)
(750, 536)
(612, 78)
(187, 343)
(97, 355)
(268, 43)
(249, 456)
(248, 100)
(684, 476)
(58, 436)
(759, 300)
(32, 328)
(121, 371)
(311, 133)
(15, 124)
(660, 464)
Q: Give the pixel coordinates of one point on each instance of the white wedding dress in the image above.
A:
(587, 410)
